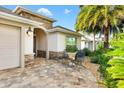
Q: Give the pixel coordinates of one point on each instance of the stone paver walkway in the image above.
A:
(47, 74)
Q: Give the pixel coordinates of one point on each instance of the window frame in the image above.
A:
(67, 37)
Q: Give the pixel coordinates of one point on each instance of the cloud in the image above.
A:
(45, 11)
(67, 11)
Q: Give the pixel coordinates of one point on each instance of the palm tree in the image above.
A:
(104, 17)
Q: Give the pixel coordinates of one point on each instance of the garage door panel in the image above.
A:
(7, 52)
(7, 63)
(9, 46)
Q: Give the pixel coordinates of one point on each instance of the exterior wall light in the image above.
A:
(29, 32)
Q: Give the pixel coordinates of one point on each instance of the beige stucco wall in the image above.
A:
(46, 23)
(61, 43)
(28, 43)
(52, 42)
(57, 41)
(41, 40)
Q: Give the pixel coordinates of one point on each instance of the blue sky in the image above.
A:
(64, 14)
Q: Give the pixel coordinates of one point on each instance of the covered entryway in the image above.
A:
(9, 46)
(40, 43)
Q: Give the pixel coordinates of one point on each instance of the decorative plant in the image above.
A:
(116, 69)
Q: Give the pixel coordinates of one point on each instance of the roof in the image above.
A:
(64, 30)
(20, 8)
(3, 9)
(8, 14)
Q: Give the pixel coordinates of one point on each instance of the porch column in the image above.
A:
(22, 47)
(47, 54)
(47, 46)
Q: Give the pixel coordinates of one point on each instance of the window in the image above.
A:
(71, 44)
(70, 40)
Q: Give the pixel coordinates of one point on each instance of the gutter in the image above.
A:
(66, 32)
(19, 19)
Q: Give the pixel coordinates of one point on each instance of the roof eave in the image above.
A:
(22, 8)
(19, 19)
(58, 30)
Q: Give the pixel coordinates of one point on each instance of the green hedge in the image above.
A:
(71, 48)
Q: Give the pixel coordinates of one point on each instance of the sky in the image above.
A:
(64, 14)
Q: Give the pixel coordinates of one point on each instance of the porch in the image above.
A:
(37, 44)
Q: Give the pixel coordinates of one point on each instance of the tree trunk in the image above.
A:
(94, 42)
(106, 38)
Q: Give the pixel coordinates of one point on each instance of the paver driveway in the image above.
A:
(51, 73)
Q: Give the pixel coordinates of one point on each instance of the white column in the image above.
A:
(47, 46)
(22, 44)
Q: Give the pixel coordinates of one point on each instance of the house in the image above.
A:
(87, 41)
(25, 34)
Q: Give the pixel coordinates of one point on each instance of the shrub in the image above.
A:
(109, 81)
(71, 48)
(86, 51)
(97, 56)
(103, 65)
(95, 59)
(100, 46)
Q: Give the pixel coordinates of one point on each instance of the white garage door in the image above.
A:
(9, 46)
